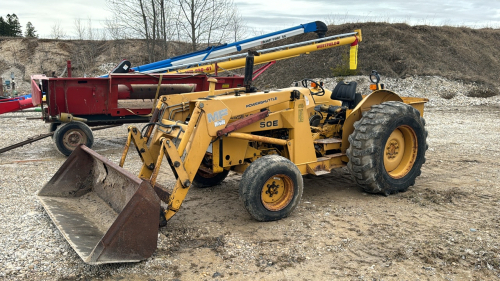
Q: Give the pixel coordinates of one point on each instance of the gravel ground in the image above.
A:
(446, 227)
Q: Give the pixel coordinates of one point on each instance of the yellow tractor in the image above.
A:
(272, 138)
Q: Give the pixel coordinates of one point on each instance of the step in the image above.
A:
(328, 141)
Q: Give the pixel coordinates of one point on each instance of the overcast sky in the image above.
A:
(272, 15)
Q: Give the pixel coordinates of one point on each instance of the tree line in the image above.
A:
(199, 22)
(10, 26)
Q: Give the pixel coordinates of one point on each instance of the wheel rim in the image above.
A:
(73, 138)
(400, 152)
(277, 192)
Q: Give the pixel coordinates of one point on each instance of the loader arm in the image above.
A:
(185, 145)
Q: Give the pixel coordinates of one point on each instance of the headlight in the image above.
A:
(374, 77)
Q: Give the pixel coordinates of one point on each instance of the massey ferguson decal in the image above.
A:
(261, 102)
(217, 117)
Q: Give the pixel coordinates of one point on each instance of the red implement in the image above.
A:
(119, 98)
(15, 104)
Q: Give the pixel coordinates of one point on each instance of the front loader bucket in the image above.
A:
(107, 214)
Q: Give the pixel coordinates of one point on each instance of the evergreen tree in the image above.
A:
(14, 27)
(30, 31)
(3, 27)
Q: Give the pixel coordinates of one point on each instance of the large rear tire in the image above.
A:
(271, 188)
(387, 148)
(69, 136)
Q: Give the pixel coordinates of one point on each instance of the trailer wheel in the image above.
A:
(387, 148)
(70, 135)
(271, 188)
(203, 179)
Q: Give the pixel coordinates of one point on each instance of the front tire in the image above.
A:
(271, 188)
(69, 136)
(387, 148)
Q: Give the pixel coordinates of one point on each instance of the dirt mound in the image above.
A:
(394, 50)
(400, 50)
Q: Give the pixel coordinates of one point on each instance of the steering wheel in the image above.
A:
(320, 93)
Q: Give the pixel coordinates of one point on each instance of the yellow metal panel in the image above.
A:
(241, 168)
(251, 152)
(251, 102)
(234, 151)
(217, 115)
(353, 57)
(217, 161)
(376, 97)
(301, 148)
(324, 165)
(417, 103)
(331, 146)
(419, 107)
(179, 99)
(272, 122)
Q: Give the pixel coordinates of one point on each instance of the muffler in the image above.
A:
(107, 214)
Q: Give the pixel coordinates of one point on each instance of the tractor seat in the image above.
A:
(346, 92)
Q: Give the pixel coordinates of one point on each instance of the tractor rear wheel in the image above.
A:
(387, 148)
(271, 188)
(70, 135)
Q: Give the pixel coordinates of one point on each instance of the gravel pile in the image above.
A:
(432, 87)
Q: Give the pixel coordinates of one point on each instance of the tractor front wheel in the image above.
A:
(387, 148)
(271, 188)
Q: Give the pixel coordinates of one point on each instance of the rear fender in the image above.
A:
(376, 97)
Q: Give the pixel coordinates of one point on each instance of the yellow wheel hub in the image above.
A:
(277, 192)
(400, 152)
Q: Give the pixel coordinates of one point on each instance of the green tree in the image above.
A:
(3, 27)
(14, 27)
(30, 31)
